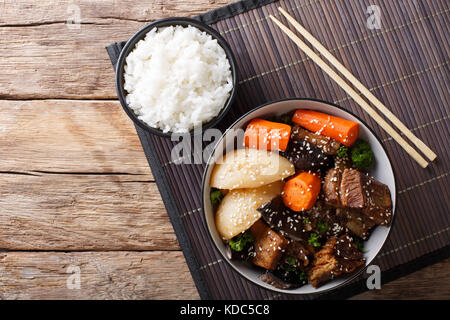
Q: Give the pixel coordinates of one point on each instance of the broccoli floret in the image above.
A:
(289, 266)
(359, 243)
(290, 261)
(239, 242)
(314, 240)
(361, 155)
(322, 227)
(303, 277)
(216, 197)
(342, 151)
(284, 118)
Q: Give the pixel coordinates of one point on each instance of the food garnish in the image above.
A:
(284, 118)
(314, 240)
(361, 155)
(303, 276)
(322, 226)
(239, 242)
(216, 197)
(359, 243)
(342, 151)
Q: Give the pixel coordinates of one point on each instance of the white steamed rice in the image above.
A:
(177, 78)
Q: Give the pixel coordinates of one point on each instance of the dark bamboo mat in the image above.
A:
(405, 64)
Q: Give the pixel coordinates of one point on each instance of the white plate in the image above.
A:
(381, 170)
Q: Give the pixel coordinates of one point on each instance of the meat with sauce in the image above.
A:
(331, 187)
(293, 267)
(268, 246)
(356, 222)
(355, 190)
(298, 251)
(337, 257)
(324, 221)
(321, 219)
(282, 219)
(372, 198)
(327, 145)
(307, 156)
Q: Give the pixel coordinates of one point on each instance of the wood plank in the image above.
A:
(103, 275)
(42, 57)
(155, 275)
(58, 62)
(432, 282)
(69, 136)
(82, 212)
(22, 12)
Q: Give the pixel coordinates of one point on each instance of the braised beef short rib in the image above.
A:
(359, 191)
(327, 145)
(338, 256)
(353, 189)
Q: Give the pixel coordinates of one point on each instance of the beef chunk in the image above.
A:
(324, 221)
(359, 191)
(356, 222)
(347, 250)
(353, 189)
(295, 264)
(327, 145)
(299, 252)
(324, 264)
(295, 226)
(337, 257)
(332, 181)
(306, 156)
(287, 222)
(331, 187)
(268, 246)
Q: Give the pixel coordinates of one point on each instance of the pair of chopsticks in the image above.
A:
(352, 93)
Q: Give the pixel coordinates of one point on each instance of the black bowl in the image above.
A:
(129, 46)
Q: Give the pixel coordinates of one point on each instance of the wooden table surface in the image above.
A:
(75, 188)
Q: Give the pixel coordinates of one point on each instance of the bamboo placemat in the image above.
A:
(405, 64)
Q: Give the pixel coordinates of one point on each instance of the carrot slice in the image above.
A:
(267, 135)
(344, 131)
(301, 192)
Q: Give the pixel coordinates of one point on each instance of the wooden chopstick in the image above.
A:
(352, 93)
(369, 95)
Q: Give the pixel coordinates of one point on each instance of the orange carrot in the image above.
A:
(301, 192)
(267, 135)
(344, 131)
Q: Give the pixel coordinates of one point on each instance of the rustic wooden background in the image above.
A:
(75, 187)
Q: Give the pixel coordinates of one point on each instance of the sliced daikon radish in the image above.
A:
(250, 168)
